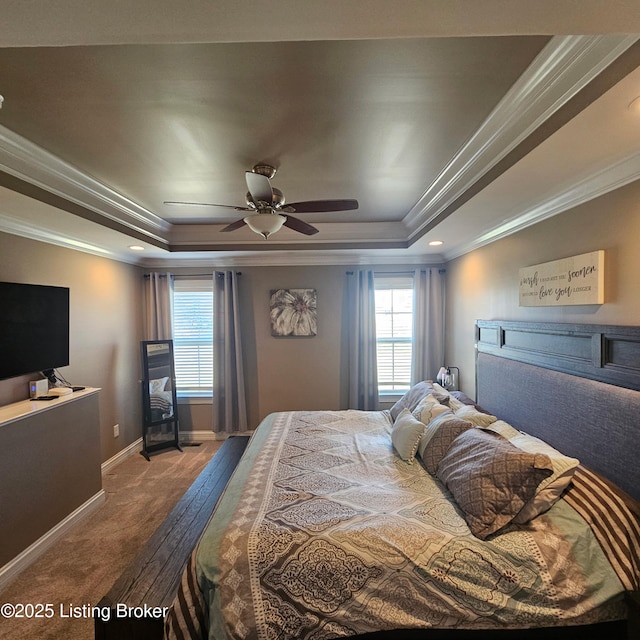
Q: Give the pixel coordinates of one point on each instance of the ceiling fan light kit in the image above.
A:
(265, 203)
(265, 223)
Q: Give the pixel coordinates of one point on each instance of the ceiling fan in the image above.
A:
(267, 206)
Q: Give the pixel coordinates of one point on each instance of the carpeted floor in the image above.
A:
(83, 565)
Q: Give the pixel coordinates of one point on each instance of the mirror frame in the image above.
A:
(151, 423)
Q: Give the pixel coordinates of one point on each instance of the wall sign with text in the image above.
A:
(575, 280)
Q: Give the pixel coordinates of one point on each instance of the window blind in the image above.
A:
(394, 331)
(193, 336)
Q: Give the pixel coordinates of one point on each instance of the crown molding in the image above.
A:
(294, 258)
(588, 188)
(344, 233)
(26, 230)
(31, 163)
(564, 67)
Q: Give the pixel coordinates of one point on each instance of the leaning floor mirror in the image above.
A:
(159, 399)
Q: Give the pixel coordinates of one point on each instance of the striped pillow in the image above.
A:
(614, 519)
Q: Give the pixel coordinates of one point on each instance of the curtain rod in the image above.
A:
(201, 275)
(190, 275)
(399, 273)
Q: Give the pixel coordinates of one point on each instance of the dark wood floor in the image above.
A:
(152, 579)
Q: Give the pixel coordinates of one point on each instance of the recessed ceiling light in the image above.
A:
(136, 247)
(436, 243)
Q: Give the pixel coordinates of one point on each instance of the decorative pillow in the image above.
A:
(473, 415)
(411, 399)
(551, 488)
(490, 479)
(406, 434)
(465, 399)
(429, 408)
(157, 385)
(503, 429)
(601, 503)
(438, 438)
(439, 389)
(431, 430)
(455, 404)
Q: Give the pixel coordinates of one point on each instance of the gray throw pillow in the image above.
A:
(490, 479)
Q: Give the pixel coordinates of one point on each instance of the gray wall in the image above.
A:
(483, 284)
(105, 328)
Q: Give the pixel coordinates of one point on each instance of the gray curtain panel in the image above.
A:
(158, 305)
(229, 402)
(428, 330)
(361, 329)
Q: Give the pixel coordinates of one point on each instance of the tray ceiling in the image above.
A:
(95, 137)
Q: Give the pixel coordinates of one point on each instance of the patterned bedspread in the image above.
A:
(324, 532)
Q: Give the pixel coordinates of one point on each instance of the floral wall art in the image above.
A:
(293, 312)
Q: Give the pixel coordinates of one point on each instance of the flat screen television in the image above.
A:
(34, 328)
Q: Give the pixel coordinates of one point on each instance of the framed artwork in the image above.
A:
(293, 312)
(570, 281)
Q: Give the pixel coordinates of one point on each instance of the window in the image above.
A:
(193, 336)
(394, 332)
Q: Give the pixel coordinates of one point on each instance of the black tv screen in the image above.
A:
(34, 328)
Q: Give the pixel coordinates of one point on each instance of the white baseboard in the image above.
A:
(194, 436)
(134, 447)
(185, 436)
(11, 570)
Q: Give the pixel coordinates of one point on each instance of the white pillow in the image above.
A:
(157, 385)
(470, 413)
(503, 428)
(455, 404)
(551, 488)
(429, 408)
(406, 434)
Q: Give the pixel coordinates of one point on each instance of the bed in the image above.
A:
(439, 518)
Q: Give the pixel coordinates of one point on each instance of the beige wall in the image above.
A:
(285, 373)
(105, 328)
(288, 373)
(298, 372)
(484, 283)
(309, 373)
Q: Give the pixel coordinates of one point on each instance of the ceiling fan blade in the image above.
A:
(206, 204)
(300, 226)
(234, 225)
(321, 206)
(259, 187)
